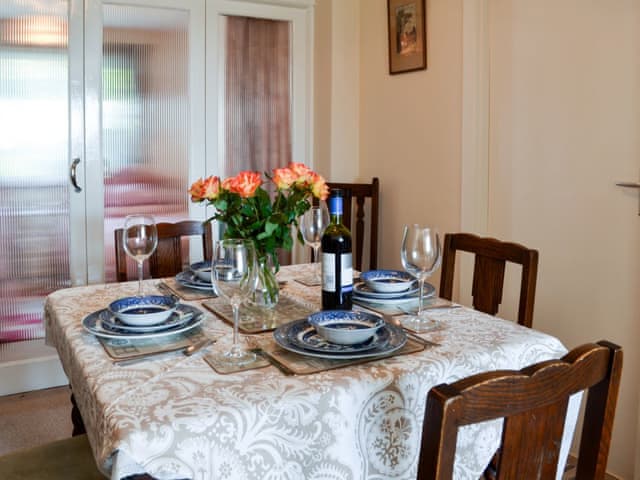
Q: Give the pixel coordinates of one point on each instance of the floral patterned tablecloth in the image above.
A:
(175, 417)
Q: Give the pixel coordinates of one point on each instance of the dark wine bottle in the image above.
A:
(337, 269)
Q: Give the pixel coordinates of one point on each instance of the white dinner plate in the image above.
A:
(397, 339)
(92, 323)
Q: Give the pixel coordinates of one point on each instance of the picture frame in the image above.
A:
(407, 35)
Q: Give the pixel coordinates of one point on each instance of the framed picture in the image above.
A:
(407, 35)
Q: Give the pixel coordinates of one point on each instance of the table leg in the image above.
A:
(76, 418)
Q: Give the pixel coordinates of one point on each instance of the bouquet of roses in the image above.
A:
(265, 215)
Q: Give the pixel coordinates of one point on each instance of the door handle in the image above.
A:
(72, 174)
(628, 184)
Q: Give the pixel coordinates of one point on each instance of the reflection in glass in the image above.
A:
(145, 117)
(34, 134)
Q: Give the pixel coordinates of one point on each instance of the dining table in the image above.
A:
(174, 416)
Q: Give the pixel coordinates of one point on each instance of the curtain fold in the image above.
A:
(257, 95)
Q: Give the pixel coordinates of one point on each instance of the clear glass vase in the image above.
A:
(267, 290)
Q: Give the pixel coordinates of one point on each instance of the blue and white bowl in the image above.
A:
(345, 327)
(202, 270)
(387, 281)
(143, 311)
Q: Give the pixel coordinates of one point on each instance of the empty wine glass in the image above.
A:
(312, 225)
(234, 275)
(421, 255)
(140, 239)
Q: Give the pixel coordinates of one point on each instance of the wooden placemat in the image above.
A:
(253, 321)
(128, 349)
(183, 292)
(297, 364)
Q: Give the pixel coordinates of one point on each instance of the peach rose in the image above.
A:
(319, 187)
(211, 188)
(245, 183)
(301, 172)
(284, 178)
(207, 189)
(196, 190)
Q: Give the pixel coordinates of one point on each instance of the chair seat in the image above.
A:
(67, 459)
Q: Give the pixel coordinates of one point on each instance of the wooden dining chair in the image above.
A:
(358, 193)
(491, 256)
(533, 402)
(168, 258)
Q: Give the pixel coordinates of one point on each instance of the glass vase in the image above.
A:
(267, 290)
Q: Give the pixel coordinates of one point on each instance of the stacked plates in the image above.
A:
(365, 292)
(196, 276)
(302, 338)
(104, 323)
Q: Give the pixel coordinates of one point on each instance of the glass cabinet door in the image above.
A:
(34, 156)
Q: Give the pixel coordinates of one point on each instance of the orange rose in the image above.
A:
(211, 188)
(319, 187)
(284, 178)
(196, 190)
(301, 172)
(245, 184)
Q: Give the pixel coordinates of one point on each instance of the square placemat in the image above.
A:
(302, 365)
(120, 349)
(183, 292)
(254, 320)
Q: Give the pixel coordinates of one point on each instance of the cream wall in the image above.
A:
(410, 125)
(410, 134)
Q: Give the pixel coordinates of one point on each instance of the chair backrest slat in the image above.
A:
(491, 256)
(166, 261)
(360, 192)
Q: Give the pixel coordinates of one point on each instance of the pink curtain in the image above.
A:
(258, 95)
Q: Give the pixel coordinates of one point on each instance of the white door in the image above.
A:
(112, 94)
(562, 108)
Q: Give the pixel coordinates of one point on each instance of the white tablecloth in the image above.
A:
(175, 417)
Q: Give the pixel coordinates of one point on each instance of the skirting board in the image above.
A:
(29, 365)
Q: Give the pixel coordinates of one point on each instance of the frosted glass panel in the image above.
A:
(34, 134)
(145, 116)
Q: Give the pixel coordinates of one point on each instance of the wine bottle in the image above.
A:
(337, 270)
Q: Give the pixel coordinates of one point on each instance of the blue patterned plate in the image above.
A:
(92, 323)
(429, 291)
(179, 317)
(397, 339)
(189, 279)
(363, 290)
(304, 335)
(388, 281)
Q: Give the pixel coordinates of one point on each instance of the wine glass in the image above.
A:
(140, 240)
(234, 275)
(312, 225)
(421, 255)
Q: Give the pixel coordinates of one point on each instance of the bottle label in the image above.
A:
(329, 272)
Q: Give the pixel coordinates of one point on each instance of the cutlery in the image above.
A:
(188, 351)
(167, 291)
(273, 361)
(396, 321)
